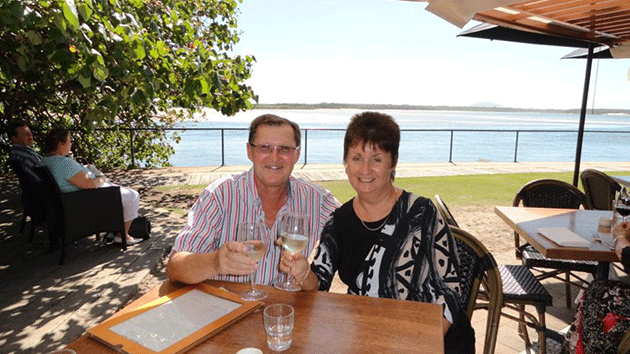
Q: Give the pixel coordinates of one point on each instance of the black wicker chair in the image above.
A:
(31, 187)
(599, 188)
(82, 213)
(479, 268)
(519, 287)
(551, 193)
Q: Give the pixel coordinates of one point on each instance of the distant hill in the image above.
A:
(481, 107)
(486, 104)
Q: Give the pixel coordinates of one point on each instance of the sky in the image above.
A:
(395, 52)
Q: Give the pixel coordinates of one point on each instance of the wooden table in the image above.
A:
(324, 323)
(527, 221)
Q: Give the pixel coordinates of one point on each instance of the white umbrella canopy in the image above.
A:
(460, 12)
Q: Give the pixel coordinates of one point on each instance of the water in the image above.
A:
(279, 337)
(203, 148)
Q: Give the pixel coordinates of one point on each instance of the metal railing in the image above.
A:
(453, 136)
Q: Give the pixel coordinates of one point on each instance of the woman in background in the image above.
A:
(603, 316)
(387, 242)
(72, 176)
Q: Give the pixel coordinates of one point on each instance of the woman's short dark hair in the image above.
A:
(377, 129)
(273, 120)
(54, 138)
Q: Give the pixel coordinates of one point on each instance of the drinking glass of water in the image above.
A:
(252, 235)
(293, 237)
(278, 320)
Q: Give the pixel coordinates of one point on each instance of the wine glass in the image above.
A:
(622, 203)
(252, 235)
(293, 237)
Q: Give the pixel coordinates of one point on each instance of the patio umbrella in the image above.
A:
(601, 52)
(494, 32)
(595, 22)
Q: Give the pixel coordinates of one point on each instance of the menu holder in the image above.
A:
(564, 237)
(175, 322)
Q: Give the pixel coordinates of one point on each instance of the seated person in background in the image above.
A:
(21, 151)
(603, 316)
(72, 176)
(387, 242)
(206, 247)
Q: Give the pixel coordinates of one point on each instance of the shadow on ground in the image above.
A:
(45, 305)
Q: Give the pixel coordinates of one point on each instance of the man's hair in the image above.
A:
(275, 121)
(376, 129)
(13, 127)
(54, 137)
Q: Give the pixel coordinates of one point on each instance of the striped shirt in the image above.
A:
(234, 200)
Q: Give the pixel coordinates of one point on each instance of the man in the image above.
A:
(206, 247)
(21, 152)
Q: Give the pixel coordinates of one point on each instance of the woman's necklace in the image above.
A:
(376, 228)
(384, 221)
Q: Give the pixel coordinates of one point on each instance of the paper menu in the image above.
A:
(564, 237)
(174, 323)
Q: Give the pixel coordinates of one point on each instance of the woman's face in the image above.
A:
(369, 168)
(64, 148)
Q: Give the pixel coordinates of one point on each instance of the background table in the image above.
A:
(527, 221)
(324, 323)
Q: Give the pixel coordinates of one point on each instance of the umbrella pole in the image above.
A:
(578, 149)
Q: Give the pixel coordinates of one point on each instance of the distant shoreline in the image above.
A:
(367, 106)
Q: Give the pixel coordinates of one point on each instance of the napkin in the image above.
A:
(564, 237)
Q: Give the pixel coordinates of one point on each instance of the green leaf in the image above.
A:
(85, 10)
(100, 72)
(34, 37)
(70, 14)
(22, 63)
(60, 22)
(205, 88)
(138, 49)
(98, 56)
(85, 81)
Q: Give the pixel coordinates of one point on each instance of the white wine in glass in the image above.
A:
(294, 232)
(252, 235)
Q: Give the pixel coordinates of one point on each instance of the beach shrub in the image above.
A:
(112, 64)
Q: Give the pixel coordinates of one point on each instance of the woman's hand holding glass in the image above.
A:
(293, 232)
(296, 265)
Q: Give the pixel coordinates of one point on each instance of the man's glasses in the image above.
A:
(268, 149)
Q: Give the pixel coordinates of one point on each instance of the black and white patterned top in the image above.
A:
(413, 257)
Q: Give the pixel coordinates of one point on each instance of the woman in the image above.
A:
(386, 242)
(603, 316)
(72, 176)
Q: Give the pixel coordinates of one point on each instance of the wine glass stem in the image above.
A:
(289, 276)
(251, 280)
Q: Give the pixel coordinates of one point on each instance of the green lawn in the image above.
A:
(482, 190)
(498, 189)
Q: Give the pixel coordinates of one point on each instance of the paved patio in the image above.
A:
(45, 306)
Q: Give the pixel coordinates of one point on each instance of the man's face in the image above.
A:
(272, 169)
(24, 137)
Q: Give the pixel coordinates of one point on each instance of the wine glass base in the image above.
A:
(287, 286)
(253, 295)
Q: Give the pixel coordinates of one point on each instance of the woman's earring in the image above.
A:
(393, 174)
